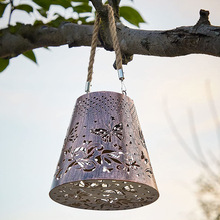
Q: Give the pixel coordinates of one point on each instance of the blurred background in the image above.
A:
(177, 100)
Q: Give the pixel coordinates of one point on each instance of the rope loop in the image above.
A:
(116, 46)
(93, 47)
(114, 37)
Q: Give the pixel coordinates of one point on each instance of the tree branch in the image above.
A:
(201, 38)
(100, 8)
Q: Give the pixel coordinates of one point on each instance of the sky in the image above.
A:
(36, 103)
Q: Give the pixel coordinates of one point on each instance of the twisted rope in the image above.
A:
(115, 43)
(93, 47)
(114, 37)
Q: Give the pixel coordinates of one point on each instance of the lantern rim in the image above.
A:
(104, 92)
(152, 192)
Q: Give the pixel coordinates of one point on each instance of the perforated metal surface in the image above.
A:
(104, 194)
(104, 146)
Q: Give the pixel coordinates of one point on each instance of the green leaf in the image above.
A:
(2, 8)
(84, 20)
(82, 8)
(57, 22)
(3, 64)
(45, 4)
(30, 55)
(86, 1)
(38, 22)
(131, 15)
(47, 48)
(15, 28)
(43, 12)
(25, 7)
(64, 3)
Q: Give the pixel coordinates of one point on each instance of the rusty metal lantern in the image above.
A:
(104, 163)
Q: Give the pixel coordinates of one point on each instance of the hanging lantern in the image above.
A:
(104, 163)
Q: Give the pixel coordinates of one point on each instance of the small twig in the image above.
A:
(204, 18)
(97, 4)
(185, 146)
(195, 137)
(12, 9)
(179, 136)
(213, 110)
(202, 159)
(214, 159)
(103, 12)
(115, 6)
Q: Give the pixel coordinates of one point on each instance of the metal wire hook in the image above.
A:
(123, 88)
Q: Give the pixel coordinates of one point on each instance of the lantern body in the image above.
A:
(104, 163)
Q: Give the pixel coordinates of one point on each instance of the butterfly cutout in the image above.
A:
(106, 135)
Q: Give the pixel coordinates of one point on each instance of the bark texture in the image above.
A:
(202, 38)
